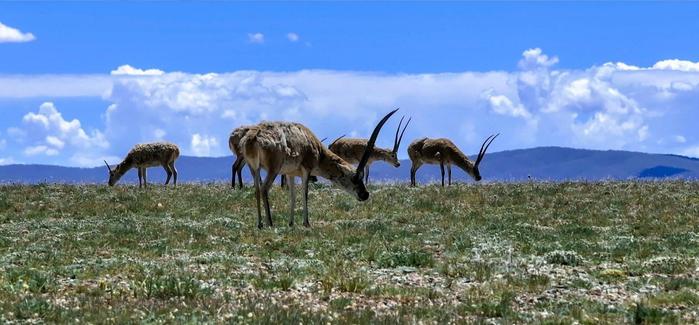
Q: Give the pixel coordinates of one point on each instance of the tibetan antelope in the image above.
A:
(239, 163)
(146, 155)
(293, 150)
(444, 152)
(352, 149)
(234, 145)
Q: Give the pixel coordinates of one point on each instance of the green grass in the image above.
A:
(608, 252)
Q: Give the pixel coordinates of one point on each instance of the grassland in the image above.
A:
(609, 252)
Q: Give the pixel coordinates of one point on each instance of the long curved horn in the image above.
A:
(399, 139)
(370, 144)
(484, 148)
(110, 168)
(342, 136)
(323, 139)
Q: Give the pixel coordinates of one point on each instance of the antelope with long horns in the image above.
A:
(293, 150)
(146, 155)
(352, 149)
(444, 152)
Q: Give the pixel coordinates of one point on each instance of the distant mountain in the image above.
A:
(544, 163)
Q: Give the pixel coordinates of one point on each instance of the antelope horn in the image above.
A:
(370, 144)
(399, 139)
(323, 139)
(110, 168)
(342, 136)
(484, 148)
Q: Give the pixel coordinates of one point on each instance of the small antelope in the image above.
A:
(352, 149)
(444, 152)
(293, 150)
(147, 155)
(239, 163)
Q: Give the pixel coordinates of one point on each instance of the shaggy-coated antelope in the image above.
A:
(146, 155)
(444, 152)
(234, 145)
(239, 163)
(292, 149)
(352, 149)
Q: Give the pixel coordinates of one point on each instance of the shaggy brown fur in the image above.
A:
(234, 145)
(351, 150)
(147, 155)
(443, 152)
(237, 167)
(293, 150)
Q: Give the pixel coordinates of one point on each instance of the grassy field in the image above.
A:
(505, 253)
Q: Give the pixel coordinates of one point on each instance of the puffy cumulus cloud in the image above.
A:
(256, 38)
(678, 65)
(610, 106)
(127, 70)
(47, 133)
(535, 58)
(502, 105)
(14, 35)
(199, 110)
(203, 145)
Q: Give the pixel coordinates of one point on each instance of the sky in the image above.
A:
(84, 81)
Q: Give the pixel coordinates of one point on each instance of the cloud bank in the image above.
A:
(13, 35)
(611, 106)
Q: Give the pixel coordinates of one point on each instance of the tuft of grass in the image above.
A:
(643, 314)
(570, 258)
(669, 265)
(404, 256)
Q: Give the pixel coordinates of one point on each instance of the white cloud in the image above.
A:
(3, 143)
(680, 139)
(48, 133)
(52, 86)
(13, 35)
(40, 149)
(127, 70)
(692, 151)
(203, 145)
(6, 161)
(293, 37)
(256, 38)
(612, 106)
(504, 106)
(534, 58)
(678, 65)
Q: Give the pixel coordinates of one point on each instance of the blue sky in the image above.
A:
(592, 75)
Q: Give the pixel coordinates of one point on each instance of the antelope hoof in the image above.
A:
(307, 224)
(260, 226)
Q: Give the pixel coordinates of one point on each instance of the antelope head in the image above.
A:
(113, 178)
(352, 180)
(476, 174)
(393, 156)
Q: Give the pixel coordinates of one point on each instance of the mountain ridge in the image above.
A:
(540, 163)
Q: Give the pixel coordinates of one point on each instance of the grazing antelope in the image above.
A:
(293, 150)
(352, 149)
(146, 155)
(234, 145)
(444, 152)
(239, 163)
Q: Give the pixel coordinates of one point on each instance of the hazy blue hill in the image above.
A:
(544, 163)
